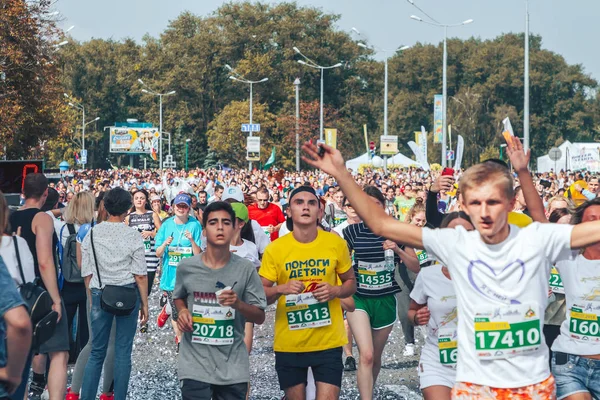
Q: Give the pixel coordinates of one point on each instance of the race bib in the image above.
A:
(507, 331)
(584, 324)
(448, 346)
(212, 325)
(374, 275)
(556, 284)
(339, 220)
(422, 256)
(176, 254)
(303, 311)
(147, 245)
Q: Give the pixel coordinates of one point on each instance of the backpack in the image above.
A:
(68, 256)
(39, 304)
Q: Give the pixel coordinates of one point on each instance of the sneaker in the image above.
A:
(71, 395)
(105, 396)
(163, 299)
(350, 364)
(36, 390)
(144, 328)
(409, 350)
(45, 395)
(162, 318)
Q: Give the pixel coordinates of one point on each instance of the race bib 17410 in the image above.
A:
(176, 254)
(303, 311)
(448, 346)
(584, 324)
(507, 331)
(374, 275)
(212, 325)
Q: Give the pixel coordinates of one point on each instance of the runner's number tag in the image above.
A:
(422, 256)
(584, 324)
(176, 254)
(305, 312)
(212, 325)
(556, 284)
(448, 346)
(147, 245)
(374, 275)
(506, 332)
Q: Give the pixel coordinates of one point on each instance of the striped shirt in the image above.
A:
(368, 261)
(145, 222)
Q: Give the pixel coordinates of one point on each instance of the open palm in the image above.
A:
(331, 162)
(518, 157)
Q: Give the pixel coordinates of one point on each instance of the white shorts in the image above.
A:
(433, 373)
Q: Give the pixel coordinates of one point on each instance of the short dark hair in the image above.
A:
(217, 187)
(455, 215)
(579, 211)
(35, 185)
(117, 201)
(217, 206)
(51, 200)
(375, 193)
(558, 214)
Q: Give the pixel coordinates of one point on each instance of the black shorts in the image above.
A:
(196, 390)
(326, 365)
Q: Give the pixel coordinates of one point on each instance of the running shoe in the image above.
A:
(350, 364)
(45, 395)
(36, 390)
(71, 395)
(105, 396)
(163, 299)
(409, 350)
(162, 318)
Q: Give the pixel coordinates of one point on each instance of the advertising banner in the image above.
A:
(134, 140)
(331, 137)
(437, 118)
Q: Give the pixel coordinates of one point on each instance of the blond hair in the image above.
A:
(487, 172)
(414, 210)
(80, 209)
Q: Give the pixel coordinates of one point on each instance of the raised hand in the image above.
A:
(516, 154)
(331, 162)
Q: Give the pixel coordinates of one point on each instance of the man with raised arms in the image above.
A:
(500, 273)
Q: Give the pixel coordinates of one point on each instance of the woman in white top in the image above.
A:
(576, 358)
(433, 303)
(7, 249)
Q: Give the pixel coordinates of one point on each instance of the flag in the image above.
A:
(460, 147)
(76, 157)
(419, 155)
(153, 154)
(508, 132)
(270, 161)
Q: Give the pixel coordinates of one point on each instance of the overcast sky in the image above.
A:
(569, 28)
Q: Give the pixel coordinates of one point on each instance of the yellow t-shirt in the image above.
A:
(300, 325)
(519, 219)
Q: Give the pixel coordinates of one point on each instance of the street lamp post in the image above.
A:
(81, 108)
(297, 85)
(187, 142)
(148, 90)
(526, 83)
(385, 86)
(444, 78)
(239, 78)
(310, 63)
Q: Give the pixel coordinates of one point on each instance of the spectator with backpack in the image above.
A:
(80, 211)
(37, 229)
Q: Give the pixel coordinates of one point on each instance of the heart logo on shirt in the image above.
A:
(479, 273)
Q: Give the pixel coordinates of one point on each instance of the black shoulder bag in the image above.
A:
(39, 303)
(116, 300)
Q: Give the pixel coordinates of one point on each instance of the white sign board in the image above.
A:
(250, 127)
(253, 148)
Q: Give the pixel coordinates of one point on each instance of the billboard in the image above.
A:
(133, 140)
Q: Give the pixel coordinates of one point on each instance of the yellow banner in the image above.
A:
(331, 137)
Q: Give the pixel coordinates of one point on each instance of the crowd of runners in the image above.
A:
(496, 263)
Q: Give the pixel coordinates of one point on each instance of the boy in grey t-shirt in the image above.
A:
(216, 292)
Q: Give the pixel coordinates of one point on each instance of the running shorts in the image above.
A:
(545, 390)
(326, 365)
(382, 311)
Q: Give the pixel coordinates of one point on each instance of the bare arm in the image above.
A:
(418, 314)
(18, 342)
(79, 257)
(409, 258)
(348, 287)
(585, 234)
(44, 229)
(142, 284)
(157, 222)
(273, 292)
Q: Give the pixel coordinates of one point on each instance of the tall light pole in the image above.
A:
(444, 78)
(239, 78)
(148, 90)
(75, 104)
(385, 85)
(187, 142)
(526, 83)
(310, 63)
(297, 85)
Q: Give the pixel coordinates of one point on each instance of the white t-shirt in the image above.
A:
(338, 229)
(580, 331)
(8, 254)
(437, 292)
(247, 250)
(494, 280)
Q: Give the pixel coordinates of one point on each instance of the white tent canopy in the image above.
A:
(398, 159)
(575, 156)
